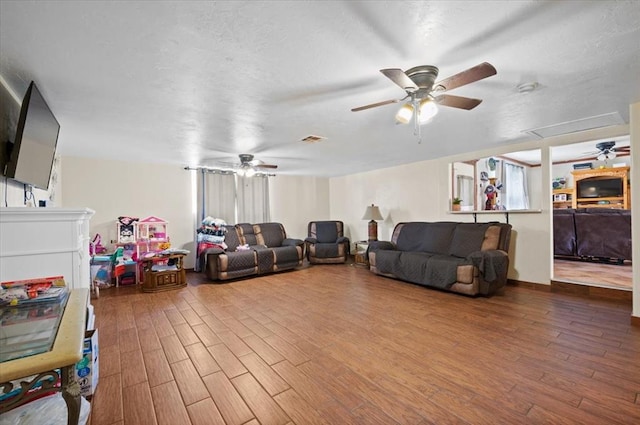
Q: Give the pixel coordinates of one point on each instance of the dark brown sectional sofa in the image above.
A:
(592, 233)
(267, 250)
(467, 258)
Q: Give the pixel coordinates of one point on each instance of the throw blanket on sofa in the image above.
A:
(327, 250)
(439, 271)
(491, 264)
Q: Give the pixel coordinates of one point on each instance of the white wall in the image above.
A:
(119, 188)
(12, 192)
(295, 201)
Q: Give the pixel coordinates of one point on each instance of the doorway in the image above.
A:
(592, 226)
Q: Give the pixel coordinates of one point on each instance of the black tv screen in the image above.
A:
(599, 188)
(35, 142)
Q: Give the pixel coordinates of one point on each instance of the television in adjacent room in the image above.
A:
(33, 149)
(600, 188)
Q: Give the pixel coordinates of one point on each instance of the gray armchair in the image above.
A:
(326, 243)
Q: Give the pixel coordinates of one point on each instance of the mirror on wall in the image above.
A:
(507, 182)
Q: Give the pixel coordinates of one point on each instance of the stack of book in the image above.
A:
(30, 311)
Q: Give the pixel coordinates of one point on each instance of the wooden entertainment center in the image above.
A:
(600, 174)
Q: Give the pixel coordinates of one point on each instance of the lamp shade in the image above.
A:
(372, 213)
(428, 109)
(404, 114)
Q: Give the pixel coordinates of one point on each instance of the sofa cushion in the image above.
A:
(239, 260)
(491, 238)
(328, 250)
(564, 232)
(286, 255)
(231, 238)
(425, 237)
(467, 238)
(247, 233)
(270, 234)
(435, 270)
(326, 231)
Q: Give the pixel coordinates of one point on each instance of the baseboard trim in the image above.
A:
(577, 289)
(591, 291)
(529, 285)
(635, 321)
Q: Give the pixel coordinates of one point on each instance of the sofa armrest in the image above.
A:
(214, 251)
(343, 239)
(210, 268)
(493, 264)
(379, 245)
(292, 242)
(311, 240)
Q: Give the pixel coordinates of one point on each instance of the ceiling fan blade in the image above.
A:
(457, 101)
(375, 105)
(471, 75)
(400, 78)
(266, 166)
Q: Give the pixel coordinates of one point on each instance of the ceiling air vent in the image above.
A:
(312, 139)
(575, 126)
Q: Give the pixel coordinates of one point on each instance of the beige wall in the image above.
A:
(119, 188)
(295, 201)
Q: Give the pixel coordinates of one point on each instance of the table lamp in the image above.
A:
(372, 213)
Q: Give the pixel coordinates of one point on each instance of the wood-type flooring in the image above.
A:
(336, 344)
(617, 276)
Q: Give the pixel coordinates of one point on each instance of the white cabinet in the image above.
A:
(42, 242)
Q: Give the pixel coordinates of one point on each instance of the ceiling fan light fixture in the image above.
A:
(602, 157)
(250, 172)
(428, 110)
(404, 114)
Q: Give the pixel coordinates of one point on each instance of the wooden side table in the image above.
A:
(361, 258)
(163, 272)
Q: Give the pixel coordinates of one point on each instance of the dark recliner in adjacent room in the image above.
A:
(326, 243)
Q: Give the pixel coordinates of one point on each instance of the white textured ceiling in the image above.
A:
(186, 82)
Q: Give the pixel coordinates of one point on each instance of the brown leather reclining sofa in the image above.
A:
(592, 233)
(266, 250)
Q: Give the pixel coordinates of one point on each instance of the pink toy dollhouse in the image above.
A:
(152, 229)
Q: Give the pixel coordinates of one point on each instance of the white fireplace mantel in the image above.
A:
(43, 242)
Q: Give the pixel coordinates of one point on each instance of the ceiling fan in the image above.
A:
(424, 94)
(248, 166)
(607, 150)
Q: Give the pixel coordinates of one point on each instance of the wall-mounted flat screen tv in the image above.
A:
(599, 188)
(34, 147)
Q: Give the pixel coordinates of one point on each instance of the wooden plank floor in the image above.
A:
(594, 273)
(338, 345)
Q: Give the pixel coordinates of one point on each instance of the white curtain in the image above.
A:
(253, 199)
(465, 190)
(514, 189)
(216, 196)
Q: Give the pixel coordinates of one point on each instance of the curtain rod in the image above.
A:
(225, 172)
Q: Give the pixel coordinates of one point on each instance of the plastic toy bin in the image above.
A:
(102, 271)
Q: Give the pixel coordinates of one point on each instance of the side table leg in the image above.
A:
(71, 394)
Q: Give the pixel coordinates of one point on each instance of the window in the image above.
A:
(233, 198)
(515, 196)
(465, 190)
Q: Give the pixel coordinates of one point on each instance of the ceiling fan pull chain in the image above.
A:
(416, 121)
